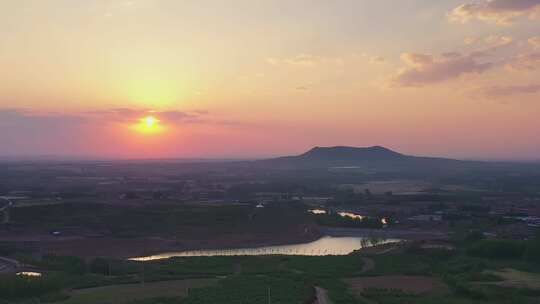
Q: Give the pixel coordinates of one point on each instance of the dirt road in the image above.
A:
(368, 265)
(321, 296)
(8, 265)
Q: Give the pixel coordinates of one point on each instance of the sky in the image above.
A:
(258, 78)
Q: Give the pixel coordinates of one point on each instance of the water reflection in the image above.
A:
(348, 214)
(323, 246)
(29, 274)
(351, 215)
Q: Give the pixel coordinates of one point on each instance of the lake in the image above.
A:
(324, 246)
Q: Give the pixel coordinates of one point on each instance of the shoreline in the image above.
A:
(91, 247)
(388, 233)
(384, 234)
(115, 247)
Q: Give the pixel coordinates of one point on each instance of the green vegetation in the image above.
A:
(149, 292)
(197, 222)
(14, 287)
(503, 249)
(469, 271)
(285, 289)
(498, 249)
(478, 271)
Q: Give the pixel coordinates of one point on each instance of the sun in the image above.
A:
(148, 125)
(150, 122)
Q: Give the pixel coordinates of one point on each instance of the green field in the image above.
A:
(476, 272)
(131, 292)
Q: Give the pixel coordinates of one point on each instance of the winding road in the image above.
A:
(8, 265)
(368, 265)
(321, 295)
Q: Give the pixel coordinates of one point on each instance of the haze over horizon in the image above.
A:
(227, 158)
(147, 79)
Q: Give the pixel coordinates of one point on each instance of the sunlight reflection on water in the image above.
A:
(323, 246)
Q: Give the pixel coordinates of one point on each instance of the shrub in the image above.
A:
(18, 287)
(498, 249)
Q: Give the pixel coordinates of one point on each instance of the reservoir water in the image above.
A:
(324, 246)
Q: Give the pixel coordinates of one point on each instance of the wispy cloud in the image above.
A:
(502, 12)
(491, 41)
(499, 91)
(534, 42)
(14, 119)
(377, 60)
(304, 61)
(128, 114)
(30, 119)
(424, 69)
(495, 41)
(527, 61)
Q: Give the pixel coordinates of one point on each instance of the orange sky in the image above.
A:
(259, 78)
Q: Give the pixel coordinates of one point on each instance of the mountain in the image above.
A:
(374, 158)
(350, 154)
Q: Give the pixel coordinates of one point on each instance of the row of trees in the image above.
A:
(336, 220)
(507, 249)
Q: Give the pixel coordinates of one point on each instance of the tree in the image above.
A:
(532, 253)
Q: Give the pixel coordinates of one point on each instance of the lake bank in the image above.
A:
(89, 247)
(403, 234)
(326, 245)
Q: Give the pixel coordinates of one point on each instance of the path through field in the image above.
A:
(368, 265)
(116, 294)
(8, 265)
(322, 296)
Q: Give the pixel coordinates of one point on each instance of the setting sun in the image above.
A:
(150, 121)
(149, 125)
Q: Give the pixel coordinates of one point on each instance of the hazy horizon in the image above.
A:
(165, 79)
(226, 158)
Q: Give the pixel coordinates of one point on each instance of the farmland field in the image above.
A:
(131, 292)
(409, 284)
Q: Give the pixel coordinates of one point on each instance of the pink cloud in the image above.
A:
(527, 61)
(423, 69)
(305, 61)
(534, 42)
(128, 114)
(504, 91)
(502, 12)
(377, 60)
